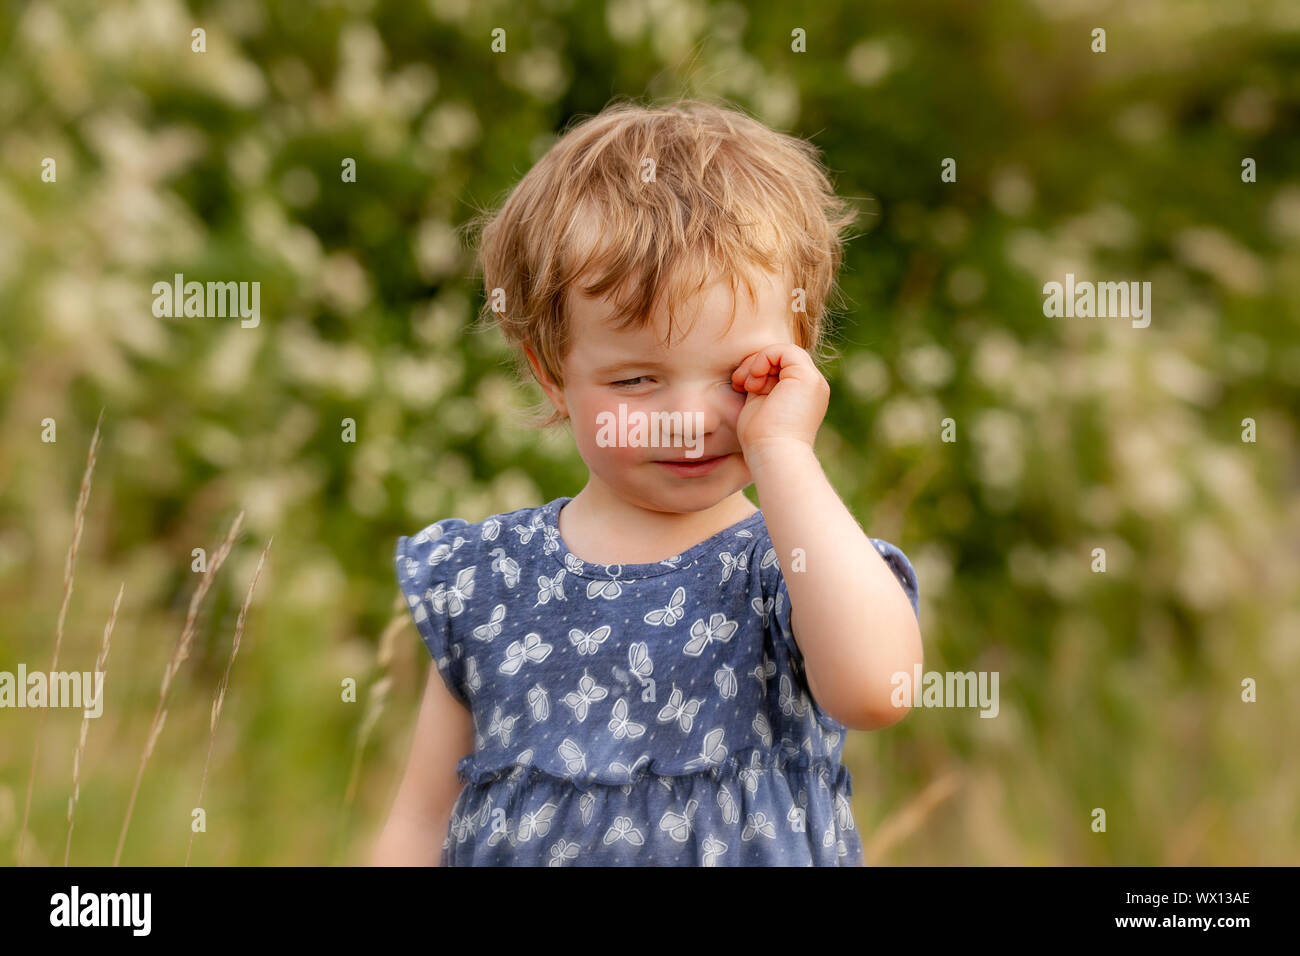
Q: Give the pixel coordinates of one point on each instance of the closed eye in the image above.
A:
(628, 382)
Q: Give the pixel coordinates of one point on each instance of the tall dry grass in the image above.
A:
(69, 566)
(179, 654)
(101, 667)
(225, 683)
(909, 819)
(379, 691)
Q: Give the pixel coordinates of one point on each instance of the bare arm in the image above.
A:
(851, 619)
(418, 823)
(852, 622)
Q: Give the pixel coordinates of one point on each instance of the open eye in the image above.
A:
(627, 382)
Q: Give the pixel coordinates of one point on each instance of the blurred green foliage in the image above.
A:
(1119, 690)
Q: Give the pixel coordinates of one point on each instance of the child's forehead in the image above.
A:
(710, 330)
(712, 317)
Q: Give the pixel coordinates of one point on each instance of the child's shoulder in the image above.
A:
(456, 542)
(485, 529)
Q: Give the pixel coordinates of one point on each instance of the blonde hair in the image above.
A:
(725, 195)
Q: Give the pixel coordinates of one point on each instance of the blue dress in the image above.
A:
(638, 714)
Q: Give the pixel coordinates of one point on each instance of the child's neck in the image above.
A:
(601, 528)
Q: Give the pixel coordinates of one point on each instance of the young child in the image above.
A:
(655, 672)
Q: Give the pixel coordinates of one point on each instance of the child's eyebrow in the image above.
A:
(615, 367)
(629, 363)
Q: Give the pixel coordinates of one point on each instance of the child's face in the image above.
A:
(606, 367)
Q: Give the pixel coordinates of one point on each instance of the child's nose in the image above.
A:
(707, 405)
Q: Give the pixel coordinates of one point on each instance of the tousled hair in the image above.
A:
(646, 205)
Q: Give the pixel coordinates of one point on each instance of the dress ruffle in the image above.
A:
(740, 812)
(473, 770)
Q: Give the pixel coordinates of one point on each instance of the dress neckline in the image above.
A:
(744, 528)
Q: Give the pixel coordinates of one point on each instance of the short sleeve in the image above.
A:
(894, 558)
(436, 576)
(903, 570)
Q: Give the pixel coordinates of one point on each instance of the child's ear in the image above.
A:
(549, 387)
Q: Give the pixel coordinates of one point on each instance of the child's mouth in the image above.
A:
(691, 467)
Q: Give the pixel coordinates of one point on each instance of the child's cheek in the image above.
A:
(603, 437)
(599, 430)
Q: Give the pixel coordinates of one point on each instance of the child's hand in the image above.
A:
(787, 397)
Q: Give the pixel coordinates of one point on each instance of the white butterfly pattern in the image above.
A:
(638, 658)
(485, 632)
(730, 812)
(461, 827)
(527, 531)
(757, 824)
(550, 539)
(502, 727)
(575, 760)
(539, 701)
(732, 562)
(536, 822)
(683, 713)
(588, 643)
(507, 566)
(670, 614)
(724, 678)
(843, 812)
(791, 706)
(479, 818)
(718, 629)
(712, 752)
(762, 672)
(609, 590)
(713, 848)
(622, 829)
(548, 588)
(417, 609)
(444, 551)
(562, 851)
(532, 648)
(621, 725)
(752, 800)
(678, 825)
(588, 693)
(750, 776)
(622, 769)
(452, 599)
(503, 831)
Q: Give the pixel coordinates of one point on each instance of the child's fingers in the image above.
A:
(759, 366)
(754, 373)
(741, 375)
(743, 381)
(760, 372)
